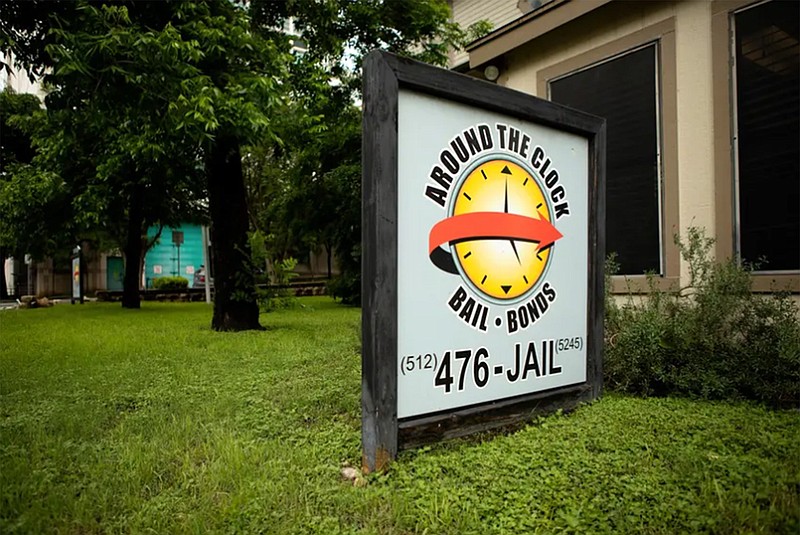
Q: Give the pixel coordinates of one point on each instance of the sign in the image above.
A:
(483, 255)
(157, 269)
(77, 283)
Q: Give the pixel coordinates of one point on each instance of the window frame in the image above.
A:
(725, 144)
(661, 34)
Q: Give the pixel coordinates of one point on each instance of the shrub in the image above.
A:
(170, 283)
(346, 287)
(713, 339)
(279, 295)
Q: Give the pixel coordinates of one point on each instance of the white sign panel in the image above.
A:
(492, 248)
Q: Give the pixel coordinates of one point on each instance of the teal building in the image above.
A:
(178, 252)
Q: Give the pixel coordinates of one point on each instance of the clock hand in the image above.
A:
(505, 206)
(505, 209)
(514, 246)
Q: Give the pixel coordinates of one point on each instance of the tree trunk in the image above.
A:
(133, 250)
(235, 304)
(147, 243)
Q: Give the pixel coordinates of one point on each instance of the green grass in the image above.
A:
(147, 421)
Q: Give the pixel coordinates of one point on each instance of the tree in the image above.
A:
(239, 90)
(307, 196)
(124, 169)
(148, 78)
(24, 31)
(145, 81)
(36, 202)
(317, 192)
(15, 150)
(15, 142)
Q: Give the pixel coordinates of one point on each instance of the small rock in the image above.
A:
(354, 476)
(350, 473)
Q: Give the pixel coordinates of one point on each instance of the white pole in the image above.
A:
(207, 264)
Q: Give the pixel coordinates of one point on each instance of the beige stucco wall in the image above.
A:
(695, 115)
(694, 106)
(591, 31)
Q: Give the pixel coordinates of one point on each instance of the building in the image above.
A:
(701, 99)
(176, 253)
(18, 79)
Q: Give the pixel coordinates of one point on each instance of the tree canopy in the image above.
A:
(150, 103)
(314, 175)
(152, 96)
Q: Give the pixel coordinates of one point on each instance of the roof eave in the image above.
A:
(528, 27)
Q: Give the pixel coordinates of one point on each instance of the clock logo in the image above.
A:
(499, 230)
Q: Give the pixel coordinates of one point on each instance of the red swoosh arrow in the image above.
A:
(492, 225)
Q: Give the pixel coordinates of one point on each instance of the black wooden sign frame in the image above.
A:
(382, 433)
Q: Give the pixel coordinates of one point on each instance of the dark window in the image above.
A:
(623, 90)
(768, 136)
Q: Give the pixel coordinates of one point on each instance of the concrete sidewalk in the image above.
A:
(8, 304)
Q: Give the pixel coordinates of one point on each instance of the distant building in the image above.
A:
(18, 78)
(177, 253)
(701, 99)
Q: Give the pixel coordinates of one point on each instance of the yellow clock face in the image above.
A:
(503, 269)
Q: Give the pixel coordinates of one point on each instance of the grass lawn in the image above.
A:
(147, 421)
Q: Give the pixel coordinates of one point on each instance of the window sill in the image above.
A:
(638, 284)
(762, 283)
(771, 282)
